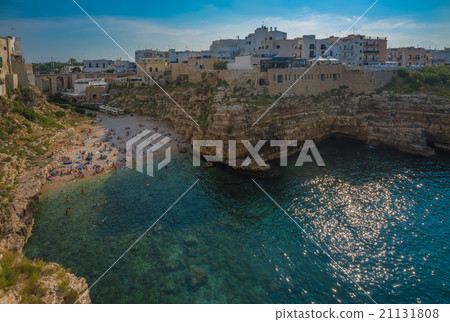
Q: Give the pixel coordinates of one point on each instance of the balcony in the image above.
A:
(369, 51)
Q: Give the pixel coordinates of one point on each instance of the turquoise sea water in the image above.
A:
(382, 215)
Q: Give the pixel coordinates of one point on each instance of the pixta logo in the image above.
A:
(144, 143)
(283, 145)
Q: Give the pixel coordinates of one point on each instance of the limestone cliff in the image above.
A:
(30, 129)
(224, 112)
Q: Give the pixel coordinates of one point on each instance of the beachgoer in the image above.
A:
(67, 198)
(82, 190)
(67, 212)
(105, 202)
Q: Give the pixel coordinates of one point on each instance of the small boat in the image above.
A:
(209, 164)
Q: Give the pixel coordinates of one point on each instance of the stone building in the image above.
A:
(13, 72)
(152, 67)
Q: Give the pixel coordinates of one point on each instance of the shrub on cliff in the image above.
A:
(220, 65)
(403, 72)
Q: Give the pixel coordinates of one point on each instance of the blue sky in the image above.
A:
(59, 29)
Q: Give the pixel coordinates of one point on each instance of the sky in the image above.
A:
(60, 30)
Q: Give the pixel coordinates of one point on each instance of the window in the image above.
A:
(278, 46)
(150, 69)
(280, 78)
(273, 77)
(323, 46)
(285, 77)
(270, 38)
(322, 77)
(334, 77)
(311, 46)
(156, 69)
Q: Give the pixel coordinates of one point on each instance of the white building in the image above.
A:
(80, 85)
(253, 41)
(247, 61)
(264, 39)
(352, 50)
(121, 66)
(310, 47)
(95, 66)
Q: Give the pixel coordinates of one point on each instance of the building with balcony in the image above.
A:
(410, 56)
(309, 47)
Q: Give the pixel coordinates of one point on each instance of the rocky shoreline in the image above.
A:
(32, 132)
(17, 222)
(414, 124)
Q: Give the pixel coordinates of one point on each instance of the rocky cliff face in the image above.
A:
(226, 113)
(29, 128)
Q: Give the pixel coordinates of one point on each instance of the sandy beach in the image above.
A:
(100, 147)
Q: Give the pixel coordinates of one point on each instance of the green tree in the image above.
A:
(403, 72)
(220, 65)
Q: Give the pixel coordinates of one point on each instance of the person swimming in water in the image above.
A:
(67, 198)
(68, 212)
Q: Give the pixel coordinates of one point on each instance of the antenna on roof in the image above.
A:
(13, 30)
(262, 23)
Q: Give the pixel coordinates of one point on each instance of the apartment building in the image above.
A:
(351, 50)
(441, 57)
(169, 55)
(374, 50)
(309, 47)
(96, 66)
(410, 56)
(151, 66)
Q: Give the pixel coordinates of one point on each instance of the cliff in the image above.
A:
(421, 122)
(30, 132)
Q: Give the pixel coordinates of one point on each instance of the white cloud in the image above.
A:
(78, 37)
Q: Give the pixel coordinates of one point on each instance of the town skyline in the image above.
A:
(174, 28)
